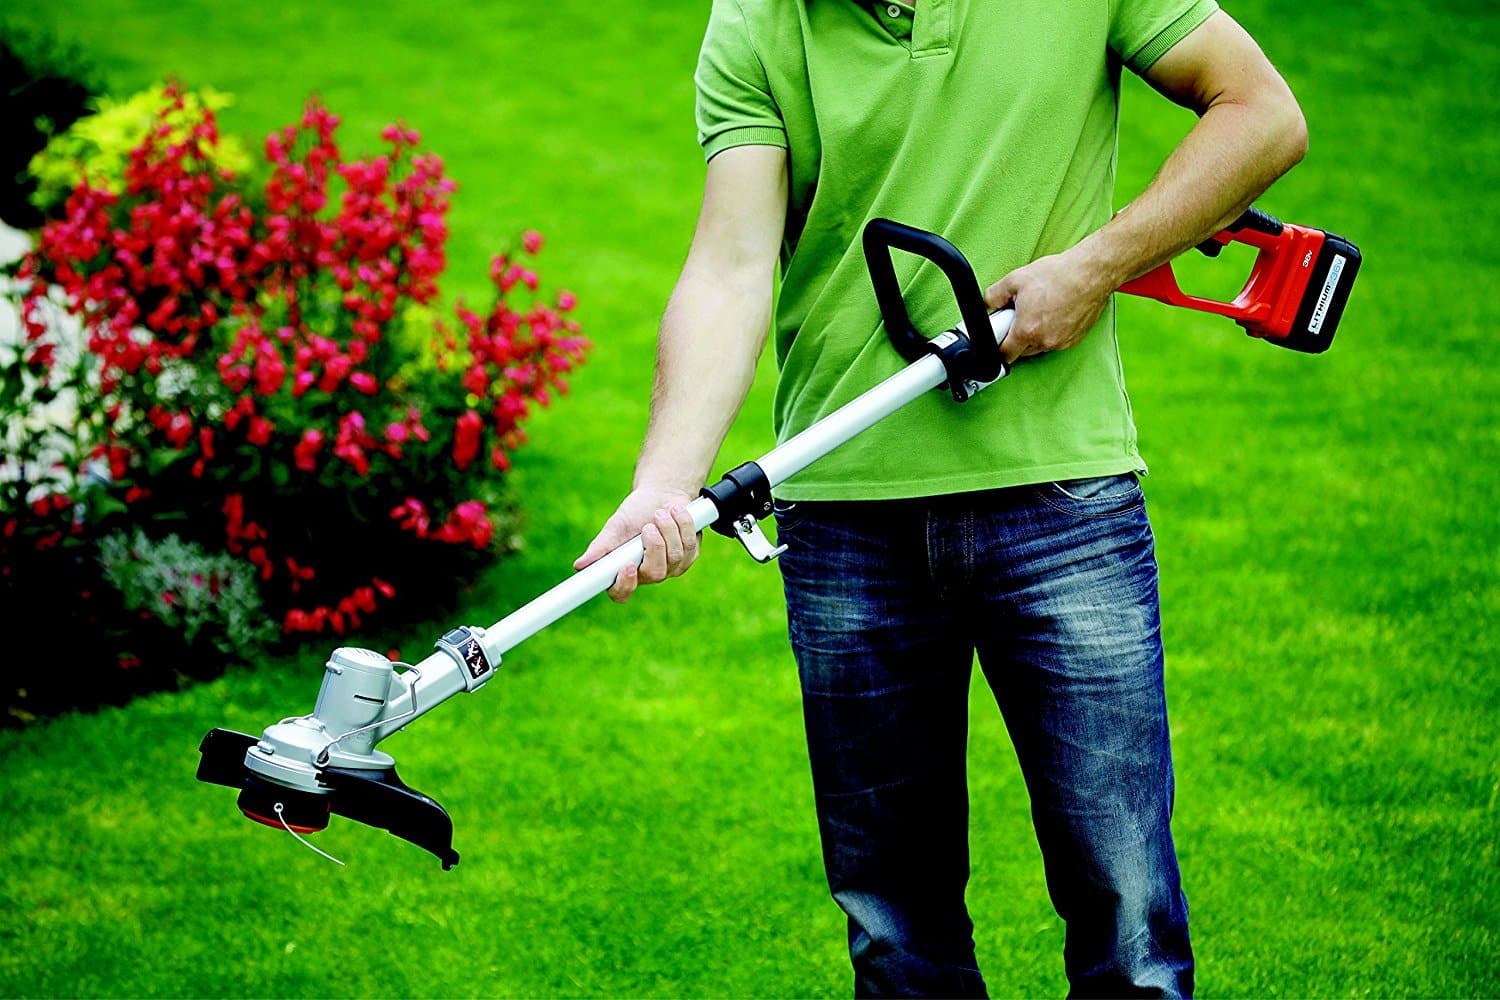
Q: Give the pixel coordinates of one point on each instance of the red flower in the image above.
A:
(477, 380)
(298, 573)
(270, 369)
(466, 438)
(412, 513)
(334, 371)
(242, 409)
(179, 429)
(469, 523)
(305, 454)
(260, 431)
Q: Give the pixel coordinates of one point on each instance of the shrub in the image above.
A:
(44, 87)
(276, 384)
(209, 599)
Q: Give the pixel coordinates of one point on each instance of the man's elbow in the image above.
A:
(1284, 126)
(1293, 134)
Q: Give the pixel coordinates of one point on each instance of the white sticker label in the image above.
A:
(1326, 296)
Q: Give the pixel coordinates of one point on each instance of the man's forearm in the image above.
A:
(1231, 156)
(711, 335)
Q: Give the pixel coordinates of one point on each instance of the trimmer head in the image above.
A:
(374, 797)
(278, 806)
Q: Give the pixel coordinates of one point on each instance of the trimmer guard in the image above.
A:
(376, 798)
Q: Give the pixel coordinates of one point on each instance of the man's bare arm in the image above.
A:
(1250, 131)
(712, 333)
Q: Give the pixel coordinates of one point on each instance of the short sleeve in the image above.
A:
(1142, 31)
(734, 106)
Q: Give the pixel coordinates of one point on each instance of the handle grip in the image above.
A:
(1251, 219)
(880, 237)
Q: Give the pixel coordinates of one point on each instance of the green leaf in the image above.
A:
(161, 459)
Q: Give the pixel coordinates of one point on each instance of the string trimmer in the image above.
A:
(303, 770)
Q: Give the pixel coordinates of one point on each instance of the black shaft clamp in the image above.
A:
(743, 491)
(742, 498)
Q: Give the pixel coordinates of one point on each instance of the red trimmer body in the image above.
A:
(1296, 291)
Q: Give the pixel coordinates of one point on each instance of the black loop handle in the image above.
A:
(880, 236)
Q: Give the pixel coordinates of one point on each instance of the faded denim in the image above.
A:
(1055, 587)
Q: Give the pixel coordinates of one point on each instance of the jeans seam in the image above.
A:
(1134, 488)
(1138, 503)
(968, 546)
(932, 574)
(866, 791)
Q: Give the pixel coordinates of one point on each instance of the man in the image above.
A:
(1012, 525)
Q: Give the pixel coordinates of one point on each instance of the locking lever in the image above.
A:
(747, 530)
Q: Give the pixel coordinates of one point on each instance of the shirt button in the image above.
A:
(893, 10)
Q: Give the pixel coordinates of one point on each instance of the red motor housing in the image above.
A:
(1296, 291)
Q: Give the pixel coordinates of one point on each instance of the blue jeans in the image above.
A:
(1055, 587)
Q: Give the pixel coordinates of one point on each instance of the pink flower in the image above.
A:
(532, 241)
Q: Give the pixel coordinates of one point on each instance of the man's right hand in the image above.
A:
(661, 518)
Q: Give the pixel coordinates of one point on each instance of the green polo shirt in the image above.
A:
(991, 123)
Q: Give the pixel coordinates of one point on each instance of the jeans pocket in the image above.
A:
(1096, 496)
(788, 514)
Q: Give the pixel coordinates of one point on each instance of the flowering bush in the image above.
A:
(272, 380)
(97, 146)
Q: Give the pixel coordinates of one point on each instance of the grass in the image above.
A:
(631, 799)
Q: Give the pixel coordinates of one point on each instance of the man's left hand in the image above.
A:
(1057, 301)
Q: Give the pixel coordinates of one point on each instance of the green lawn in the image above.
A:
(632, 800)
